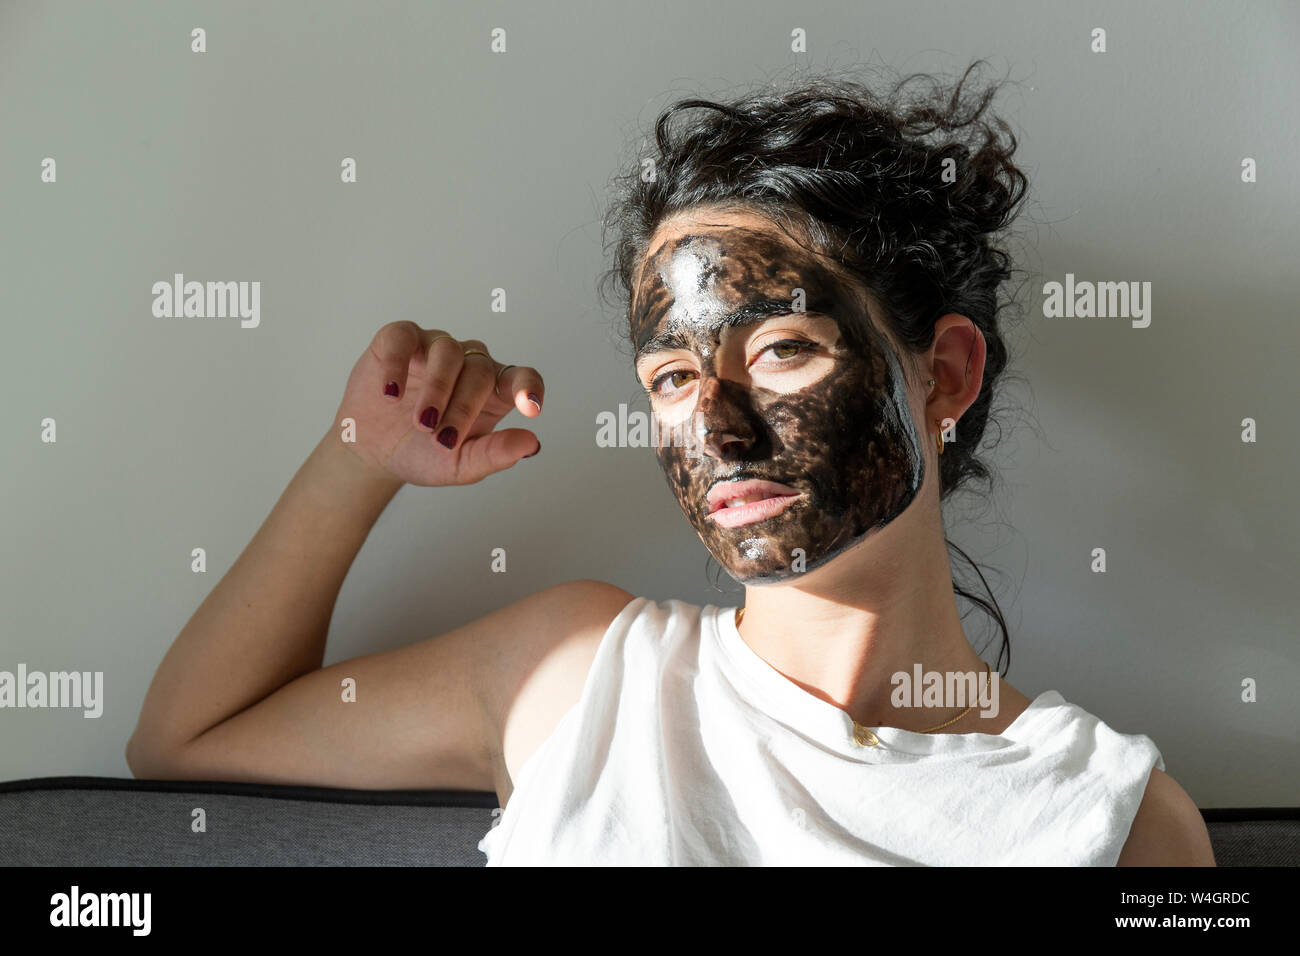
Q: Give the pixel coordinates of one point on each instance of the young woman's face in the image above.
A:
(811, 401)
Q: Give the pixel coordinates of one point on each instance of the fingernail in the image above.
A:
(539, 448)
(390, 388)
(430, 417)
(532, 397)
(447, 437)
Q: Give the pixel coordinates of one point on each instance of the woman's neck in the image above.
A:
(883, 608)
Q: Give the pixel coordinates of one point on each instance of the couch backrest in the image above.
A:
(104, 821)
(107, 821)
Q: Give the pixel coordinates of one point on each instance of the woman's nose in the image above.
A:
(722, 420)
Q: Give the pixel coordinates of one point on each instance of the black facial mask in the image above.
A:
(847, 441)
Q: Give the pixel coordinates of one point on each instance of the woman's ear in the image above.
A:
(956, 363)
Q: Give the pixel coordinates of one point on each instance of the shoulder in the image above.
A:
(1168, 829)
(574, 611)
(541, 646)
(571, 618)
(585, 595)
(538, 663)
(593, 605)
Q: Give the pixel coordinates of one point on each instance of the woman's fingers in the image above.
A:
(522, 386)
(393, 346)
(459, 379)
(494, 451)
(443, 359)
(453, 391)
(474, 381)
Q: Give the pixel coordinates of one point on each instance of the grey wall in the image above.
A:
(480, 171)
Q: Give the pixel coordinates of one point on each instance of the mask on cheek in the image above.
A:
(847, 442)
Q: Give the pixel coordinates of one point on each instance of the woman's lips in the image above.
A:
(771, 499)
(762, 500)
(754, 511)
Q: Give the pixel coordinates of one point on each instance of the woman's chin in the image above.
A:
(758, 561)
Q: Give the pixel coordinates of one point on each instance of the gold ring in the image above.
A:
(429, 348)
(476, 352)
(497, 385)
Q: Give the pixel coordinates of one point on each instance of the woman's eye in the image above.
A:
(783, 351)
(787, 349)
(654, 385)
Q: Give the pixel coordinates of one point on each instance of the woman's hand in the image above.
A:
(407, 371)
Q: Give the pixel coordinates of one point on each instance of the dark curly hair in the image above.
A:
(907, 192)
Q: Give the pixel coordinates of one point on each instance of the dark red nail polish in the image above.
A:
(539, 448)
(430, 417)
(390, 388)
(447, 437)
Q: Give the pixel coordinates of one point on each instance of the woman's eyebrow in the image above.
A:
(748, 314)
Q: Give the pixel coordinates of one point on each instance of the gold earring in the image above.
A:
(939, 435)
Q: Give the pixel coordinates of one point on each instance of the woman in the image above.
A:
(812, 295)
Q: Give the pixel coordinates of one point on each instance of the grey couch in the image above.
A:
(106, 821)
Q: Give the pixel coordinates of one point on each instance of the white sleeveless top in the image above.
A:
(687, 748)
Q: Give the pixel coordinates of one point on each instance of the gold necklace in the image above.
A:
(866, 738)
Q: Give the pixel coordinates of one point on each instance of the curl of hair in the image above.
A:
(907, 192)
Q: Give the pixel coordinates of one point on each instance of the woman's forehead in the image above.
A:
(748, 233)
(727, 262)
(697, 267)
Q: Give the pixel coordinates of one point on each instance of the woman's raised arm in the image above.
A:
(249, 660)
